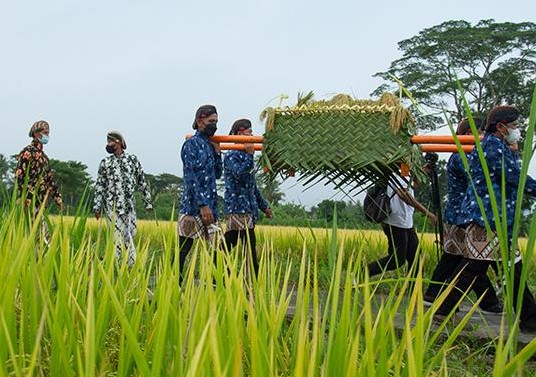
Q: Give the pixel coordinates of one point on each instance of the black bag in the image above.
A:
(377, 204)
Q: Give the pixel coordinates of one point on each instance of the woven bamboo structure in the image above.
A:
(351, 143)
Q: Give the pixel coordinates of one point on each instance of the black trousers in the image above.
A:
(248, 238)
(470, 270)
(185, 245)
(403, 244)
(442, 274)
(231, 240)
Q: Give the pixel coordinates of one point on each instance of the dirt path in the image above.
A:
(483, 326)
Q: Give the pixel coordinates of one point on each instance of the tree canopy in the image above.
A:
(7, 170)
(73, 180)
(166, 191)
(495, 63)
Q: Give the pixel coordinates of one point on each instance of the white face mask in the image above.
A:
(514, 134)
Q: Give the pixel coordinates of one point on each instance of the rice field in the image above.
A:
(68, 309)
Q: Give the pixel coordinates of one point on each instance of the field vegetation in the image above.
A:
(70, 309)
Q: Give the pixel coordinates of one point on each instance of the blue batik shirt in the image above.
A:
(242, 196)
(498, 157)
(457, 182)
(202, 166)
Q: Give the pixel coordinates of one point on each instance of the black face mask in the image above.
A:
(110, 148)
(210, 129)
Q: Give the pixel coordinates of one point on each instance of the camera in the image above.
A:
(431, 157)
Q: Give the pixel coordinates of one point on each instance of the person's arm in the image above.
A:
(142, 184)
(195, 161)
(503, 157)
(530, 186)
(52, 187)
(22, 169)
(100, 187)
(218, 165)
(262, 203)
(411, 201)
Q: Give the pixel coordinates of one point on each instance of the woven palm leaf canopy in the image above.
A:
(351, 143)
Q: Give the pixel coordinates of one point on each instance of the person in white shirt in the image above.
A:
(398, 228)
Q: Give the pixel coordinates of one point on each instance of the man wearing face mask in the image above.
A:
(119, 175)
(454, 236)
(202, 165)
(243, 200)
(33, 162)
(482, 248)
(33, 174)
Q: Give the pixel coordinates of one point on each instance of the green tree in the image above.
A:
(165, 182)
(271, 191)
(4, 189)
(166, 190)
(291, 210)
(270, 188)
(494, 62)
(7, 170)
(4, 167)
(324, 210)
(287, 214)
(73, 180)
(354, 215)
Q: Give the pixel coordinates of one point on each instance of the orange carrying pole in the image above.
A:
(429, 143)
(235, 139)
(236, 142)
(444, 143)
(445, 148)
(238, 147)
(442, 139)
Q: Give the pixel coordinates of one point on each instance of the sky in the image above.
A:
(144, 67)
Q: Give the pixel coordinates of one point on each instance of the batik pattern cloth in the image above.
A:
(33, 163)
(454, 239)
(124, 231)
(457, 183)
(117, 180)
(202, 165)
(238, 221)
(242, 195)
(192, 227)
(480, 245)
(499, 158)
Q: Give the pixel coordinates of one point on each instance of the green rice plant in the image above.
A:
(507, 348)
(70, 308)
(507, 361)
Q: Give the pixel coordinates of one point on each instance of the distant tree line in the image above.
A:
(76, 186)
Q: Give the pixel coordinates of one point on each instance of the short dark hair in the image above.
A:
(240, 124)
(464, 126)
(204, 112)
(501, 114)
